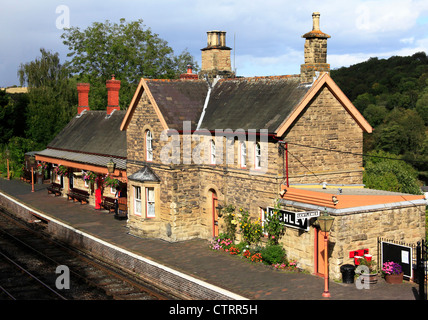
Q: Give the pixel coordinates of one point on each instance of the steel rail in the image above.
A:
(31, 275)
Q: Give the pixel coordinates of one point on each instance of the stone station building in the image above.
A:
(194, 144)
(213, 139)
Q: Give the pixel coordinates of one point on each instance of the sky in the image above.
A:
(265, 36)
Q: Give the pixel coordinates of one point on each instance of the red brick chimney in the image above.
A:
(83, 91)
(189, 74)
(113, 87)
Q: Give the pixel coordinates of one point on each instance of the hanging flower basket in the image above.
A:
(61, 170)
(89, 177)
(111, 182)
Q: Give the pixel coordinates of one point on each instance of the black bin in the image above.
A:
(348, 273)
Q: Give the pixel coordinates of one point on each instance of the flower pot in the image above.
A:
(370, 278)
(394, 278)
(368, 257)
(356, 262)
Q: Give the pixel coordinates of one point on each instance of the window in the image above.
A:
(150, 202)
(149, 146)
(258, 156)
(243, 152)
(137, 201)
(212, 152)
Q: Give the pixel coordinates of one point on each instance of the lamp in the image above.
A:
(219, 208)
(334, 200)
(325, 222)
(110, 166)
(7, 153)
(32, 163)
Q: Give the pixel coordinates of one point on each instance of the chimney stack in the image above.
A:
(113, 87)
(189, 75)
(315, 52)
(216, 56)
(83, 92)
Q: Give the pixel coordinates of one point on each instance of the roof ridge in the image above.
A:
(172, 80)
(261, 78)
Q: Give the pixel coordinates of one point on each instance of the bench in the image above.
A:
(109, 204)
(122, 210)
(54, 188)
(78, 195)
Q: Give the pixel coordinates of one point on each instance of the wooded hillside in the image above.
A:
(392, 94)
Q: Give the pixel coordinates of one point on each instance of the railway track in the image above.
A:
(28, 270)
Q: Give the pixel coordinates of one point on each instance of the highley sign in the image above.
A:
(298, 220)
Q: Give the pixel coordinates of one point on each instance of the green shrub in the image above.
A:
(273, 254)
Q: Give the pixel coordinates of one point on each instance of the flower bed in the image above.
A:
(272, 255)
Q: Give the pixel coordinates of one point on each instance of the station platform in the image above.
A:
(231, 276)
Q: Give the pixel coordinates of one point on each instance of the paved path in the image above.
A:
(253, 281)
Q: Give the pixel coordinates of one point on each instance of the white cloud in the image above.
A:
(268, 33)
(339, 60)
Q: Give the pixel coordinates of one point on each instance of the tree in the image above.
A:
(126, 49)
(375, 114)
(52, 96)
(402, 131)
(381, 172)
(422, 105)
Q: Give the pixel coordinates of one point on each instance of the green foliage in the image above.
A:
(273, 226)
(52, 97)
(12, 115)
(375, 114)
(391, 175)
(392, 94)
(230, 220)
(273, 253)
(251, 231)
(128, 50)
(17, 147)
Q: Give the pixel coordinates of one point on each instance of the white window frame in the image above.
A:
(150, 203)
(212, 152)
(257, 156)
(243, 154)
(137, 200)
(149, 146)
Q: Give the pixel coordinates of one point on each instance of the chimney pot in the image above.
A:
(113, 87)
(316, 21)
(83, 92)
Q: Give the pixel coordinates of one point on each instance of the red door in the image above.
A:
(214, 214)
(320, 244)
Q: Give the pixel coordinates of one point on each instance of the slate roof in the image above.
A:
(91, 138)
(79, 157)
(93, 132)
(179, 100)
(144, 174)
(253, 103)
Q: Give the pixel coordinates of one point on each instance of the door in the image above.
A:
(320, 245)
(214, 213)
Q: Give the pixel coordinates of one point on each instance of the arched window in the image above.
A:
(243, 153)
(257, 156)
(149, 146)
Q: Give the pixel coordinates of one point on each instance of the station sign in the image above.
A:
(297, 220)
(307, 214)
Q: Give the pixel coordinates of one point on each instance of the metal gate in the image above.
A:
(399, 252)
(421, 269)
